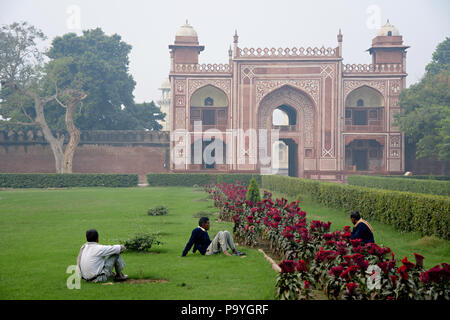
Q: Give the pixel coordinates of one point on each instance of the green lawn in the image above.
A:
(434, 250)
(42, 231)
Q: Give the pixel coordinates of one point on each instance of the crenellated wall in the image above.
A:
(138, 152)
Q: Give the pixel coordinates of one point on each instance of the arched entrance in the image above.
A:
(208, 154)
(291, 112)
(364, 155)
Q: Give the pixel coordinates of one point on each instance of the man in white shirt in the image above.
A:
(95, 262)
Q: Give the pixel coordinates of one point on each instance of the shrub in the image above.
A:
(329, 261)
(253, 193)
(141, 242)
(57, 180)
(200, 179)
(158, 211)
(430, 177)
(412, 185)
(406, 211)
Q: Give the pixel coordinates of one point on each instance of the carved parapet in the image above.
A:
(371, 68)
(19, 136)
(129, 137)
(124, 137)
(287, 52)
(202, 68)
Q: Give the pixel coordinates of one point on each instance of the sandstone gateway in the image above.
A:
(335, 118)
(332, 118)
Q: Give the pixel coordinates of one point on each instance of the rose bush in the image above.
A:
(328, 261)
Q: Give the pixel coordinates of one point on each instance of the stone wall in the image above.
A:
(138, 152)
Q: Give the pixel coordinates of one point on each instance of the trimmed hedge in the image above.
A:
(56, 180)
(201, 179)
(406, 211)
(430, 177)
(411, 185)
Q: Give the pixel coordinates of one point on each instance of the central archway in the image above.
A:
(299, 132)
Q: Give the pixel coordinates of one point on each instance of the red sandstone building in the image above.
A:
(337, 118)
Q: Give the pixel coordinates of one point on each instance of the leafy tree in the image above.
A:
(101, 64)
(425, 115)
(146, 115)
(28, 85)
(92, 68)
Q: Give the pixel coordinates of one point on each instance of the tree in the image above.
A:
(101, 65)
(147, 115)
(28, 85)
(253, 193)
(425, 115)
(92, 68)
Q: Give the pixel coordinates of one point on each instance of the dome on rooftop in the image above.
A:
(388, 30)
(186, 31)
(165, 84)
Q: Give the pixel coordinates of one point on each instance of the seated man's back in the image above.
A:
(93, 258)
(95, 262)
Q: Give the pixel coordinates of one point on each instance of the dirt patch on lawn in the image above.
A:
(139, 281)
(429, 241)
(205, 214)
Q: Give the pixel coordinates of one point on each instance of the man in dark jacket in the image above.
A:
(222, 242)
(362, 229)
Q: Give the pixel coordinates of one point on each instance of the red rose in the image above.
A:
(301, 266)
(336, 271)
(306, 284)
(351, 287)
(288, 266)
(419, 260)
(384, 266)
(394, 280)
(403, 272)
(435, 273)
(425, 277)
(349, 272)
(408, 265)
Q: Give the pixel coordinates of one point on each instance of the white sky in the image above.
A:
(150, 26)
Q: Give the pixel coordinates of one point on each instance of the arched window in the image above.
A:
(360, 103)
(209, 101)
(389, 33)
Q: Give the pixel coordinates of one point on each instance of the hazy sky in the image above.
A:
(150, 26)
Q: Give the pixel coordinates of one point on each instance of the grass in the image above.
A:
(434, 250)
(42, 231)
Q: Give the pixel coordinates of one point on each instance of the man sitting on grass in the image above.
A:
(222, 242)
(362, 230)
(95, 262)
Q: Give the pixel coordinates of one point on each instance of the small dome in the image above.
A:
(186, 31)
(388, 30)
(165, 84)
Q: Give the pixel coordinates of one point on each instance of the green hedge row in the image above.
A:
(55, 180)
(411, 185)
(406, 211)
(431, 177)
(200, 179)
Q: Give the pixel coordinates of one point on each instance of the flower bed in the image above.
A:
(324, 260)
